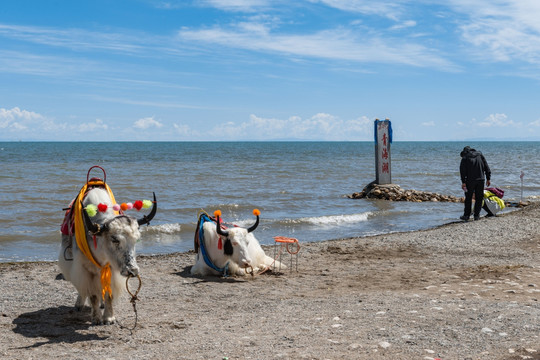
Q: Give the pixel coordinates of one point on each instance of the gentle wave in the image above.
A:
(169, 229)
(338, 219)
(332, 220)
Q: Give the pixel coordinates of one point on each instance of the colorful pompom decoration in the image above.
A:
(217, 213)
(138, 205)
(146, 204)
(256, 212)
(91, 210)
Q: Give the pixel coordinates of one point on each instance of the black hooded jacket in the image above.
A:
(473, 166)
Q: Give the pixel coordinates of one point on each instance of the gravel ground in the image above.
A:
(459, 291)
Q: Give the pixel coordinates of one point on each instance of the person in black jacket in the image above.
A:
(474, 171)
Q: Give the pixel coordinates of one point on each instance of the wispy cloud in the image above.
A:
(158, 104)
(391, 9)
(319, 126)
(535, 123)
(335, 44)
(506, 30)
(75, 39)
(237, 5)
(17, 62)
(185, 131)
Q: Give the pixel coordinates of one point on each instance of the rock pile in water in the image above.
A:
(394, 192)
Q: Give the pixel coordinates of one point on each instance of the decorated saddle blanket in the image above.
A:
(199, 232)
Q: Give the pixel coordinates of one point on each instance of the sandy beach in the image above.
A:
(459, 291)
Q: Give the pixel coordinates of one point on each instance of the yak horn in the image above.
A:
(146, 218)
(219, 230)
(256, 212)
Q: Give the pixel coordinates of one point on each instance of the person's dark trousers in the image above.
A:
(477, 188)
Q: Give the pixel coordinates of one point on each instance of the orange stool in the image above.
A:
(291, 245)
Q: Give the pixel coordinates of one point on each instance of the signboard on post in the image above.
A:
(383, 139)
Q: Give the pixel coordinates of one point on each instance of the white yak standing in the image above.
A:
(234, 251)
(111, 239)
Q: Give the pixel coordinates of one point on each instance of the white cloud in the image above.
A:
(146, 123)
(17, 119)
(95, 126)
(321, 126)
(26, 124)
(428, 123)
(497, 120)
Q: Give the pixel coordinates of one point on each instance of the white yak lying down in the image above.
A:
(234, 251)
(111, 241)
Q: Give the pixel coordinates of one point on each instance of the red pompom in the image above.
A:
(102, 207)
(138, 205)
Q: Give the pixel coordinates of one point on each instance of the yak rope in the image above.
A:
(133, 300)
(80, 233)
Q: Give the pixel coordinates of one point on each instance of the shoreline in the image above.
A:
(511, 207)
(458, 290)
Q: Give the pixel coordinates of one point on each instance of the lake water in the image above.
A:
(299, 187)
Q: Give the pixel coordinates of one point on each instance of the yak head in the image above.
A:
(117, 238)
(237, 240)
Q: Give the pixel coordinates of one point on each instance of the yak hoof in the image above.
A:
(79, 303)
(109, 321)
(97, 321)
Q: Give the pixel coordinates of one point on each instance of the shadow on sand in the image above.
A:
(186, 273)
(61, 324)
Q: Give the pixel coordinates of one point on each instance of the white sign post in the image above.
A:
(383, 139)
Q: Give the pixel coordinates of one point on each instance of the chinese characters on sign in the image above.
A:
(383, 139)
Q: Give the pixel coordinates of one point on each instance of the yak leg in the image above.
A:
(95, 314)
(108, 317)
(79, 303)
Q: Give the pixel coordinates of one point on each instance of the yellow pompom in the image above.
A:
(217, 213)
(256, 212)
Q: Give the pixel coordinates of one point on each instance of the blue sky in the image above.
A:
(161, 70)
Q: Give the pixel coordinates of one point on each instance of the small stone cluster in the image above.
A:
(394, 192)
